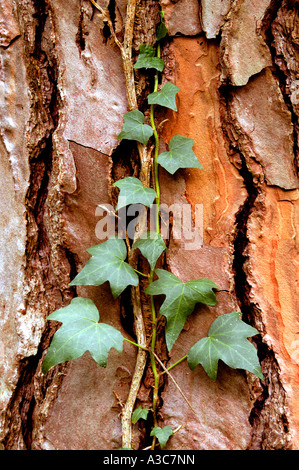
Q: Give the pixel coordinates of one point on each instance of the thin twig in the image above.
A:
(119, 401)
(109, 212)
(138, 372)
(106, 17)
(177, 429)
(127, 55)
(175, 382)
(126, 52)
(161, 124)
(145, 166)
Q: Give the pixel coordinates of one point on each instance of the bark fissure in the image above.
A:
(44, 290)
(268, 417)
(268, 420)
(80, 39)
(281, 72)
(269, 405)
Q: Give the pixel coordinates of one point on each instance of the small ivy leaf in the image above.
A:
(139, 413)
(107, 264)
(162, 31)
(226, 340)
(180, 301)
(180, 155)
(151, 247)
(162, 434)
(165, 97)
(134, 127)
(81, 332)
(147, 60)
(132, 191)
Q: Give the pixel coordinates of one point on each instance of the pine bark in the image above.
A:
(63, 96)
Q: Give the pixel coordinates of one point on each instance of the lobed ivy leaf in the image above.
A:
(139, 413)
(180, 301)
(107, 264)
(81, 332)
(226, 340)
(180, 155)
(165, 97)
(151, 247)
(162, 434)
(147, 60)
(132, 191)
(134, 127)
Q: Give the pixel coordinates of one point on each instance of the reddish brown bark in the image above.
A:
(63, 98)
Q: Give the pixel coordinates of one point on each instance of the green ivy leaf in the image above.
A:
(147, 60)
(162, 31)
(134, 127)
(81, 332)
(132, 191)
(165, 97)
(107, 264)
(180, 155)
(180, 301)
(162, 434)
(151, 247)
(227, 340)
(139, 413)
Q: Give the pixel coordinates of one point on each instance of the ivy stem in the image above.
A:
(140, 273)
(156, 153)
(153, 362)
(126, 52)
(175, 364)
(135, 344)
(151, 277)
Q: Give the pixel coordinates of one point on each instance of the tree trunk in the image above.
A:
(63, 99)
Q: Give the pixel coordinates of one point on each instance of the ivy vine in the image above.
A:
(81, 329)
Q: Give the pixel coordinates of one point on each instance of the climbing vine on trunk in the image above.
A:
(115, 261)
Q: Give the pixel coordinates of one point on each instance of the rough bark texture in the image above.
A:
(62, 100)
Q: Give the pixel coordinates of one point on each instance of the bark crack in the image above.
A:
(281, 68)
(45, 291)
(267, 418)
